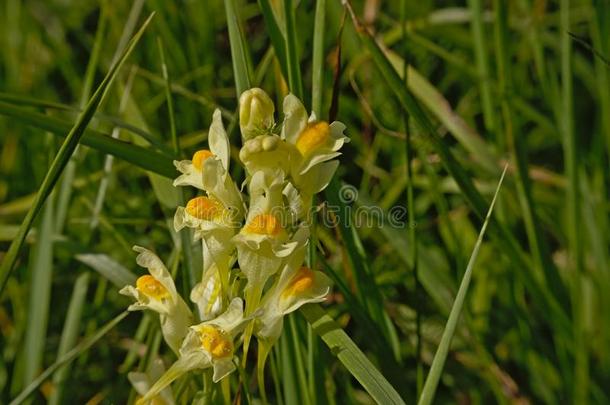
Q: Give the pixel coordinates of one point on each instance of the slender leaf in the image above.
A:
(108, 268)
(41, 272)
(242, 65)
(69, 335)
(278, 39)
(317, 78)
(351, 356)
(436, 369)
(294, 68)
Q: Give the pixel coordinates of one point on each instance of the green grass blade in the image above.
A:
(580, 390)
(67, 358)
(108, 268)
(294, 68)
(317, 78)
(438, 363)
(41, 271)
(410, 204)
(240, 54)
(351, 356)
(146, 159)
(482, 64)
(62, 158)
(275, 34)
(69, 335)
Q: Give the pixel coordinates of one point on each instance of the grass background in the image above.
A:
(490, 82)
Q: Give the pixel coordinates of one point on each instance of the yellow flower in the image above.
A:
(264, 224)
(216, 341)
(199, 157)
(151, 287)
(312, 137)
(316, 141)
(209, 344)
(192, 170)
(204, 208)
(156, 291)
(297, 285)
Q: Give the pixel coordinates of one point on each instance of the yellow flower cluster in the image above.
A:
(262, 237)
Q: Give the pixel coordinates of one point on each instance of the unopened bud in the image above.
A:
(255, 113)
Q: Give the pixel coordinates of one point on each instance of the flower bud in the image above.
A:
(255, 113)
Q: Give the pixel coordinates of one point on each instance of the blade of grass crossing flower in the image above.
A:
(62, 158)
(147, 159)
(315, 373)
(69, 335)
(41, 268)
(68, 357)
(240, 54)
(438, 363)
(294, 68)
(351, 356)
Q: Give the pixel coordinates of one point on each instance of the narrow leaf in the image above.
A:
(351, 356)
(242, 65)
(438, 362)
(108, 268)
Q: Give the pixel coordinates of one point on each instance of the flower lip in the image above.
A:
(301, 282)
(204, 208)
(215, 341)
(199, 157)
(312, 137)
(151, 287)
(264, 224)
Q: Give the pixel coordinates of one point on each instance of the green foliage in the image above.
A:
(484, 83)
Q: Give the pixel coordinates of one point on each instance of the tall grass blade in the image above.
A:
(108, 268)
(438, 363)
(41, 271)
(62, 158)
(294, 68)
(278, 39)
(317, 78)
(240, 54)
(351, 356)
(69, 335)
